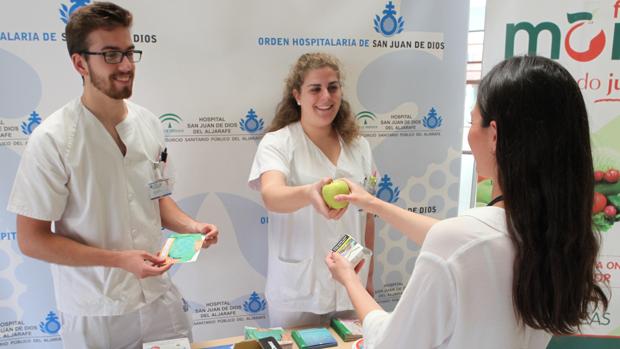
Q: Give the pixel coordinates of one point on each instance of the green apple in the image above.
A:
(332, 189)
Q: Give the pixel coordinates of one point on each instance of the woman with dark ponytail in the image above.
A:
(511, 274)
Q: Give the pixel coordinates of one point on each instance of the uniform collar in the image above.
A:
(494, 217)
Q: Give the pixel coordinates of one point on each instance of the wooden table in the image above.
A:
(231, 340)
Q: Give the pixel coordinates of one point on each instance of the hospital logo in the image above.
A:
(169, 122)
(50, 325)
(387, 191)
(254, 304)
(364, 117)
(432, 120)
(252, 123)
(66, 11)
(33, 121)
(389, 25)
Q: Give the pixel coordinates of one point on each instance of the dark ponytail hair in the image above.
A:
(546, 175)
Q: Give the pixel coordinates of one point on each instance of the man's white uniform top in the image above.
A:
(73, 173)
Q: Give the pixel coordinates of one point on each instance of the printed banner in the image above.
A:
(213, 72)
(584, 36)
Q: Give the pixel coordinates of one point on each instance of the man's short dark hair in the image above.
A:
(99, 15)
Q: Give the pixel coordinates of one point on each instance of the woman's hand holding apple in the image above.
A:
(358, 196)
(317, 200)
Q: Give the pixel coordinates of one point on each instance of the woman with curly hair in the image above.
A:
(312, 139)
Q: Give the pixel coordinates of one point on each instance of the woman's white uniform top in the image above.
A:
(72, 172)
(460, 292)
(297, 277)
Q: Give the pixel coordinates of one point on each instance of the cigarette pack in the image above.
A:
(351, 249)
(347, 329)
(314, 338)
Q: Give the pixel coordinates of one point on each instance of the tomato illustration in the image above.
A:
(611, 176)
(610, 211)
(598, 176)
(600, 201)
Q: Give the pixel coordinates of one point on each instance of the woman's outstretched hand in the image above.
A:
(358, 196)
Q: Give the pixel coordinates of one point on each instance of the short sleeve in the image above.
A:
(369, 165)
(425, 315)
(40, 188)
(273, 153)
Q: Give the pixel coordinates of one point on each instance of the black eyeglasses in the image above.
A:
(115, 57)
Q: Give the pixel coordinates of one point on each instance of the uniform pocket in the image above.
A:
(293, 280)
(292, 235)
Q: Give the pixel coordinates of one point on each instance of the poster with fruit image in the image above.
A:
(606, 199)
(606, 209)
(583, 36)
(484, 188)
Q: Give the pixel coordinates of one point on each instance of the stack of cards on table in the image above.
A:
(179, 343)
(182, 248)
(276, 332)
(263, 343)
(314, 338)
(347, 329)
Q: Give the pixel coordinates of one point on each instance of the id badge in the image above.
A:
(159, 188)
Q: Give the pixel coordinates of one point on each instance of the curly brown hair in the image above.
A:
(288, 111)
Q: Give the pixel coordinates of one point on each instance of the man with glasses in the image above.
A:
(96, 168)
